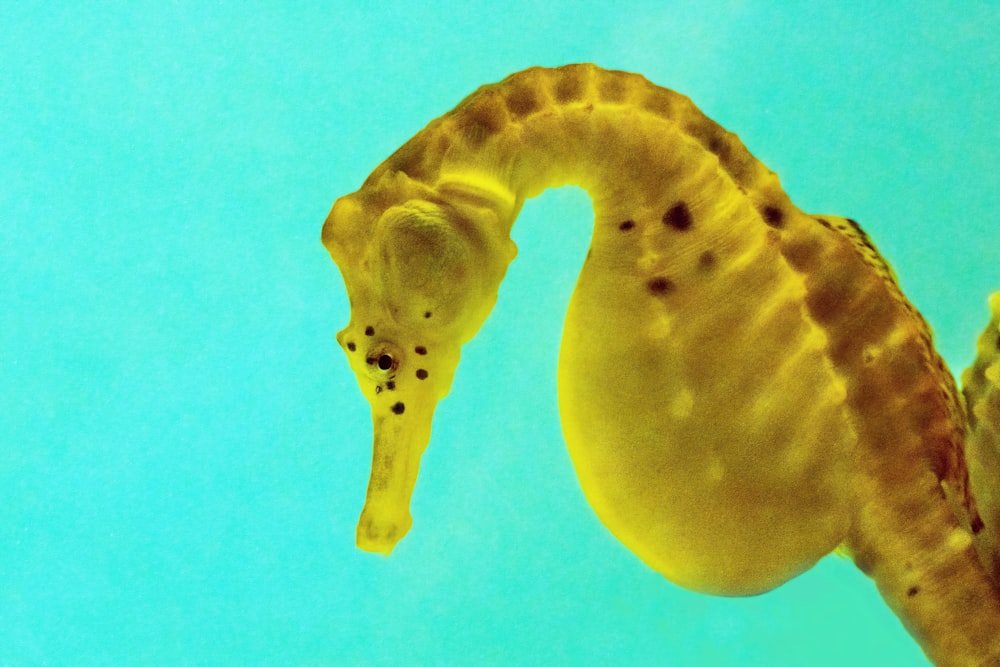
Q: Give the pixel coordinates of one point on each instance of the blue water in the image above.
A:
(183, 450)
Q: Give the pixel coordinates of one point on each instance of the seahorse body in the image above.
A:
(743, 387)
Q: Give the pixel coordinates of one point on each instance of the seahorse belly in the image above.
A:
(705, 423)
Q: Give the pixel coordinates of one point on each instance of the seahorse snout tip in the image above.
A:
(381, 534)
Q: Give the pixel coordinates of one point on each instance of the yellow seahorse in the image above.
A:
(743, 387)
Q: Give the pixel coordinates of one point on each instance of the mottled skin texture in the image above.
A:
(743, 387)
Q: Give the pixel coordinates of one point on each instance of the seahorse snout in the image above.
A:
(399, 441)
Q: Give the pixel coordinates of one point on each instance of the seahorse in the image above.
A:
(743, 387)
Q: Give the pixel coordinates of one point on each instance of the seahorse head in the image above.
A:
(421, 267)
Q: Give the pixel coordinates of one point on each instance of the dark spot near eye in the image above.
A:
(660, 286)
(825, 223)
(421, 374)
(352, 347)
(369, 331)
(390, 385)
(773, 216)
(977, 525)
(420, 349)
(427, 314)
(627, 225)
(378, 389)
(678, 217)
(706, 260)
(385, 362)
(913, 590)
(398, 408)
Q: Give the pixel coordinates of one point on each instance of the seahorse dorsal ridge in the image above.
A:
(743, 387)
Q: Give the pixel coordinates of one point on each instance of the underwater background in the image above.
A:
(183, 449)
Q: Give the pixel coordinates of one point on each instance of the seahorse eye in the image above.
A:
(385, 362)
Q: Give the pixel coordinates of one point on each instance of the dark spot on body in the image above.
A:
(773, 216)
(660, 286)
(627, 225)
(427, 315)
(659, 101)
(385, 362)
(420, 349)
(998, 342)
(398, 408)
(522, 101)
(611, 88)
(913, 590)
(825, 304)
(378, 389)
(803, 254)
(390, 385)
(977, 525)
(825, 223)
(421, 374)
(369, 331)
(443, 144)
(706, 260)
(569, 85)
(483, 117)
(352, 347)
(678, 216)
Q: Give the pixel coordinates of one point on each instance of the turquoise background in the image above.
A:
(183, 450)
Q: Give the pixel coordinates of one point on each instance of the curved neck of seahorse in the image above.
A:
(630, 144)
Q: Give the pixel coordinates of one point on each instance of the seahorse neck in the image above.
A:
(605, 131)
